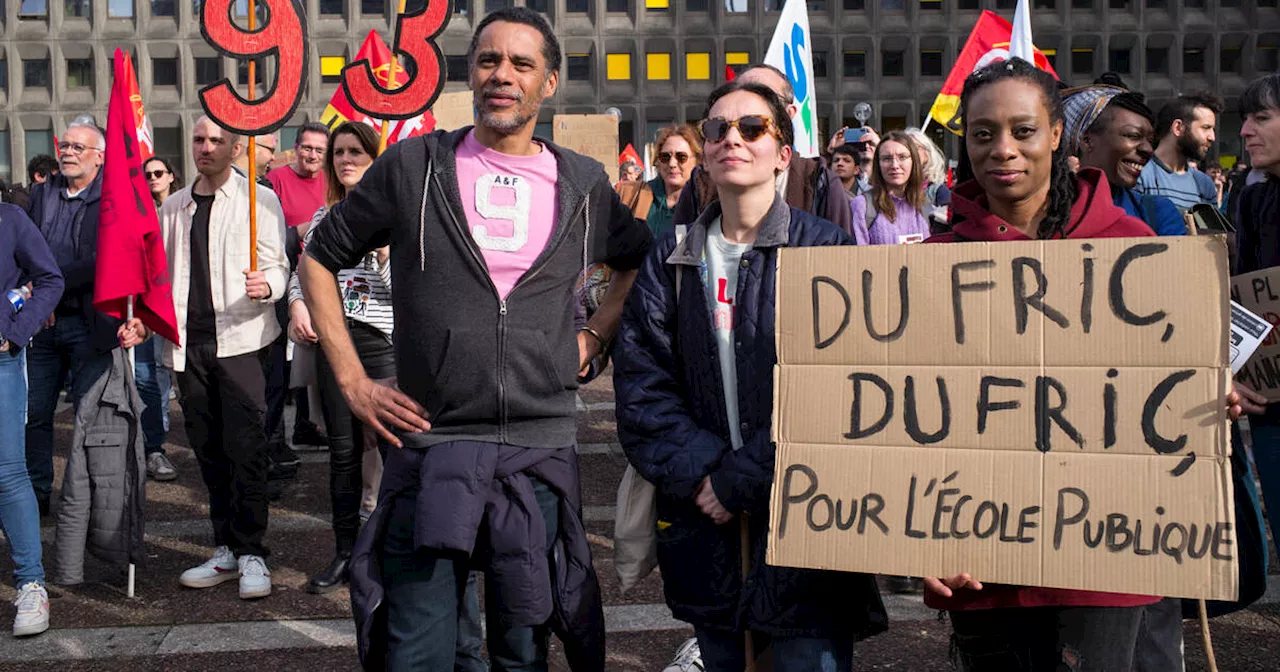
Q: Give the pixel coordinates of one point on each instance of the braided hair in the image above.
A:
(1062, 182)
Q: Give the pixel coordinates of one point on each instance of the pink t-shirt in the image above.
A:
(511, 207)
(299, 197)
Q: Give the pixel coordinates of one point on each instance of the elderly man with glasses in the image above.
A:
(77, 340)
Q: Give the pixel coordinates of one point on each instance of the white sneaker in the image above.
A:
(688, 658)
(33, 610)
(216, 570)
(160, 468)
(255, 578)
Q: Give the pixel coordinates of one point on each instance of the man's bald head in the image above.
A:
(771, 77)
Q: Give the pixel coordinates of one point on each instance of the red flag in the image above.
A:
(340, 108)
(987, 43)
(131, 258)
(729, 74)
(630, 154)
(141, 124)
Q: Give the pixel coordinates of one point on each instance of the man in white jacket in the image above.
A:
(227, 323)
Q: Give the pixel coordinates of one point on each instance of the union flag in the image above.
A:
(340, 109)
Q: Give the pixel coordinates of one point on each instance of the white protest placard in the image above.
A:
(1259, 293)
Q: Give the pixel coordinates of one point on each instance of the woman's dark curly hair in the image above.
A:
(1062, 182)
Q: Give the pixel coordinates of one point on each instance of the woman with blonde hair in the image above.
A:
(895, 210)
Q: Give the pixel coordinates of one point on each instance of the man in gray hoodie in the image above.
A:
(489, 229)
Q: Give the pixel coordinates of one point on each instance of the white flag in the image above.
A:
(1020, 45)
(791, 52)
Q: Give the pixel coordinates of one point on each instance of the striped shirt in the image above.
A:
(1186, 190)
(365, 290)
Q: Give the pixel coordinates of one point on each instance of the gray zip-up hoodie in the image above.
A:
(486, 369)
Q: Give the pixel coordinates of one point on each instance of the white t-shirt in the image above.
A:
(723, 261)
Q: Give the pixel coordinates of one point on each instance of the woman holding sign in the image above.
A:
(694, 382)
(1024, 190)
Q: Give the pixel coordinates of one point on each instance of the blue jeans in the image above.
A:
(433, 620)
(19, 514)
(1266, 454)
(726, 652)
(154, 381)
(66, 349)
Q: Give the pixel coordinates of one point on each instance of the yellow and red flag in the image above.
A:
(138, 118)
(379, 57)
(630, 154)
(987, 43)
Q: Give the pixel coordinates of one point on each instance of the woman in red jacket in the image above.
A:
(1022, 189)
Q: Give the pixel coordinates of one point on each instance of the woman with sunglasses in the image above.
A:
(893, 212)
(694, 381)
(679, 151)
(162, 179)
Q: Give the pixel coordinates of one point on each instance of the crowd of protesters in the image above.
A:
(438, 475)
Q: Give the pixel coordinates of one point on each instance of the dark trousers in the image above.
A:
(1044, 639)
(346, 432)
(64, 350)
(1159, 645)
(425, 590)
(224, 404)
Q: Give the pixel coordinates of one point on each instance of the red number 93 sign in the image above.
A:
(284, 37)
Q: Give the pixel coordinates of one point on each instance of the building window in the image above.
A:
(259, 72)
(1118, 4)
(1082, 61)
(1193, 61)
(1120, 61)
(931, 5)
(855, 5)
(931, 63)
(575, 6)
(578, 67)
(1268, 60)
(658, 66)
(39, 141)
(969, 4)
(461, 7)
(657, 5)
(6, 159)
(1157, 4)
(79, 8)
(1006, 4)
(1081, 4)
(1267, 3)
(1193, 4)
(893, 63)
(495, 5)
(455, 68)
(1045, 4)
(1051, 55)
(120, 9)
(736, 6)
(79, 73)
(891, 5)
(35, 73)
(169, 144)
(1157, 60)
(4, 75)
(737, 60)
(697, 66)
(855, 64)
(696, 6)
(1229, 59)
(33, 9)
(1228, 3)
(819, 64)
(163, 8)
(372, 8)
(331, 69)
(616, 6)
(618, 66)
(332, 7)
(164, 72)
(542, 6)
(208, 70)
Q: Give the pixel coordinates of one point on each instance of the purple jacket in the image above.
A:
(883, 231)
(462, 486)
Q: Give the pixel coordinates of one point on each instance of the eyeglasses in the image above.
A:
(156, 174)
(665, 157)
(751, 127)
(308, 149)
(76, 148)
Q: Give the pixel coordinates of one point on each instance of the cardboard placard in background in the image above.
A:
(1040, 413)
(1259, 292)
(594, 135)
(453, 110)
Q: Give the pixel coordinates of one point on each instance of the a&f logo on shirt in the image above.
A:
(722, 315)
(519, 194)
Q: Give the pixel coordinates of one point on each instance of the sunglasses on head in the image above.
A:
(665, 157)
(751, 127)
(157, 174)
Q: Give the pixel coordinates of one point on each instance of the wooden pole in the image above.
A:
(1206, 639)
(252, 149)
(391, 78)
(129, 592)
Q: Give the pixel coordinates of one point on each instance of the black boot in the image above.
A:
(332, 578)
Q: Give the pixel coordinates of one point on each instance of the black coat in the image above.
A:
(674, 428)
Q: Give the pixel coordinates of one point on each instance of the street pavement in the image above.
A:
(95, 626)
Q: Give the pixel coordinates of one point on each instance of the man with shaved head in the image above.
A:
(226, 322)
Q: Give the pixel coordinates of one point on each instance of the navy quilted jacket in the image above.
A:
(674, 428)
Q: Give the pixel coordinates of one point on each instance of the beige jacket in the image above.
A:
(243, 325)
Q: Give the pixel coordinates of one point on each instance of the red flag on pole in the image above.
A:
(340, 108)
(131, 258)
(138, 114)
(729, 74)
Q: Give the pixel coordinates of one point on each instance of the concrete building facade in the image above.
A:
(655, 60)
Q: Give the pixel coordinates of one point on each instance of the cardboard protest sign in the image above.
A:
(1039, 413)
(594, 135)
(1259, 292)
(454, 110)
